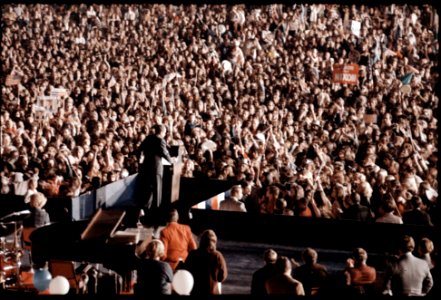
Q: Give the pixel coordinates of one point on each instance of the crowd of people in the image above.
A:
(246, 89)
(408, 273)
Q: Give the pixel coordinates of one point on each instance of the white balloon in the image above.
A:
(59, 285)
(182, 282)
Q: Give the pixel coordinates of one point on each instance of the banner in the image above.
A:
(212, 203)
(345, 73)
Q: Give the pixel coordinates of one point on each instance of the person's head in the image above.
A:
(272, 192)
(283, 265)
(159, 130)
(416, 202)
(270, 256)
(155, 250)
(309, 256)
(356, 199)
(360, 256)
(425, 246)
(388, 205)
(366, 190)
(38, 200)
(236, 191)
(208, 240)
(173, 215)
(407, 244)
(32, 183)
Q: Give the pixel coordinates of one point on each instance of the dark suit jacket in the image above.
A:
(313, 277)
(357, 212)
(154, 149)
(417, 217)
(37, 218)
(153, 278)
(260, 277)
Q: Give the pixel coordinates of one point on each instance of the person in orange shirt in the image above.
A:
(359, 275)
(178, 240)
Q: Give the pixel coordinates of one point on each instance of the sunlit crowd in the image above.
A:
(247, 90)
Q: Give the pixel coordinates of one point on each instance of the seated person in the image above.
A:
(39, 216)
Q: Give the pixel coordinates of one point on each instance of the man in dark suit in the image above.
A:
(260, 276)
(151, 152)
(417, 215)
(357, 211)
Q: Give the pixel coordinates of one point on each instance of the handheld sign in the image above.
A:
(345, 73)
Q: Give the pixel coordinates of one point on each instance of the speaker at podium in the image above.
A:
(172, 177)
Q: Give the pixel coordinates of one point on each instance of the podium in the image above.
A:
(172, 177)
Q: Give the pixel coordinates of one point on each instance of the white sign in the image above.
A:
(50, 103)
(355, 28)
(40, 113)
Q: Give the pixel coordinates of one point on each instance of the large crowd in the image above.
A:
(247, 90)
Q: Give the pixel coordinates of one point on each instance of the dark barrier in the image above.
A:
(306, 232)
(196, 190)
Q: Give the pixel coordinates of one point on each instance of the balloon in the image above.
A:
(59, 285)
(182, 282)
(41, 279)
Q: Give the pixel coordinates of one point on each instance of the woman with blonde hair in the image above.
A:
(39, 216)
(154, 277)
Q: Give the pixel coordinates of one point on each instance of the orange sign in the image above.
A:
(345, 73)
